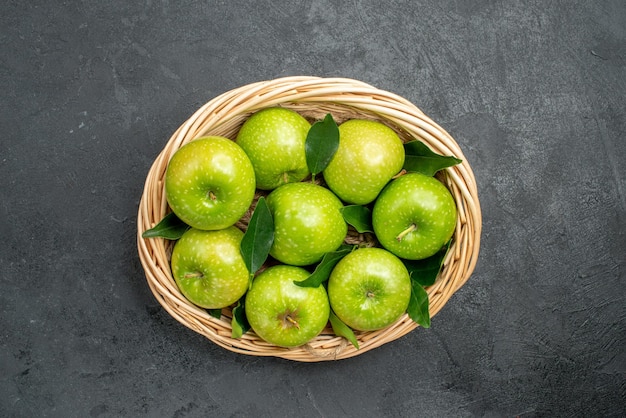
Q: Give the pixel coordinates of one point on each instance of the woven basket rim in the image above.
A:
(313, 97)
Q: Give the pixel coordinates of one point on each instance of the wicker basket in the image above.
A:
(313, 97)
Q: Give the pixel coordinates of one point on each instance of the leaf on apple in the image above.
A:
(258, 238)
(325, 267)
(425, 271)
(360, 217)
(342, 330)
(239, 322)
(170, 227)
(321, 144)
(418, 305)
(419, 158)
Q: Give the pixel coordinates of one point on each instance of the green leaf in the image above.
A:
(215, 313)
(421, 159)
(418, 305)
(170, 227)
(257, 241)
(360, 217)
(239, 322)
(342, 330)
(425, 271)
(325, 267)
(321, 144)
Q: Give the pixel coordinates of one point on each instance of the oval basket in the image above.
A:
(313, 97)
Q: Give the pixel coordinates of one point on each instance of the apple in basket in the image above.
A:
(283, 313)
(414, 216)
(308, 223)
(210, 183)
(369, 155)
(369, 289)
(208, 267)
(274, 140)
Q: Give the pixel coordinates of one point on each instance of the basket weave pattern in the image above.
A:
(313, 98)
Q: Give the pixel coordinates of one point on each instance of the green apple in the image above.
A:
(282, 313)
(369, 289)
(307, 223)
(274, 140)
(414, 216)
(369, 155)
(208, 267)
(209, 183)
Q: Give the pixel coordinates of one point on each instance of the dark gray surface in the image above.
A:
(534, 92)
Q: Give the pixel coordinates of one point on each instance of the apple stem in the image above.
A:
(194, 275)
(293, 321)
(406, 232)
(212, 195)
(285, 177)
(400, 174)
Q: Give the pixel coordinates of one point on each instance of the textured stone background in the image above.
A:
(533, 91)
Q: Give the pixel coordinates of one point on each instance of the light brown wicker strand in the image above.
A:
(313, 97)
